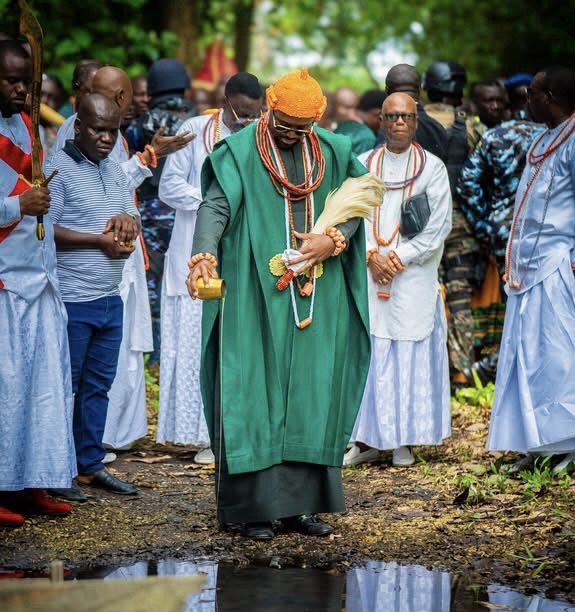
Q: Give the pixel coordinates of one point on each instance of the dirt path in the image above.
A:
(452, 510)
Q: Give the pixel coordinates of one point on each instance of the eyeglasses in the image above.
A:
(405, 117)
(244, 120)
(284, 129)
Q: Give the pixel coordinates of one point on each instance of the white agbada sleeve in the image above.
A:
(180, 188)
(176, 188)
(135, 171)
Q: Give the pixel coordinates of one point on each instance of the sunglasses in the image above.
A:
(284, 129)
(244, 120)
(405, 117)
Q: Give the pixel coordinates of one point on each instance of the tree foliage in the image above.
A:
(490, 38)
(114, 32)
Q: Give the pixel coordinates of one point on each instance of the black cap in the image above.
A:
(166, 75)
(445, 77)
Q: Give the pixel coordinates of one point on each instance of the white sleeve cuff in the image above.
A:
(10, 211)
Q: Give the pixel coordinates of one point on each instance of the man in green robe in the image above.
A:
(282, 373)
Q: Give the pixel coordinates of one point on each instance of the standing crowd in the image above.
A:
(371, 247)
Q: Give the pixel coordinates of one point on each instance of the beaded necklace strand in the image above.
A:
(375, 165)
(535, 159)
(214, 125)
(558, 140)
(265, 144)
(290, 229)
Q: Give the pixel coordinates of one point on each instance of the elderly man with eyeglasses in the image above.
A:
(406, 400)
(181, 416)
(283, 361)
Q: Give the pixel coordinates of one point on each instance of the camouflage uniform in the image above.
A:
(459, 268)
(486, 190)
(489, 180)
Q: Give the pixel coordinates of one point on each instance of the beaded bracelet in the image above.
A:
(369, 255)
(153, 157)
(338, 239)
(202, 257)
(396, 261)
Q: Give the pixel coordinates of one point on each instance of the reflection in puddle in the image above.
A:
(380, 586)
(405, 588)
(505, 599)
(376, 587)
(204, 601)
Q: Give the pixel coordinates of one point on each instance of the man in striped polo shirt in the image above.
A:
(96, 224)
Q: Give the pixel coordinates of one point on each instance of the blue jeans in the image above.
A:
(94, 335)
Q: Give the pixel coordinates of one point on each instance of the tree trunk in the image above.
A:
(181, 17)
(244, 14)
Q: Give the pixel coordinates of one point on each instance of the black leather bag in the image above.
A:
(415, 214)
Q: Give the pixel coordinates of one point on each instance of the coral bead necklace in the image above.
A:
(314, 166)
(375, 164)
(266, 145)
(213, 131)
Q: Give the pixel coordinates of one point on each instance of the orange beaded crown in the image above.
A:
(297, 94)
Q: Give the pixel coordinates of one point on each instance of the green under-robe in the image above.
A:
(288, 397)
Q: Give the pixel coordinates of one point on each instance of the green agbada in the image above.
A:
(285, 394)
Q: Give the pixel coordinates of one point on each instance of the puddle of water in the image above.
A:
(375, 587)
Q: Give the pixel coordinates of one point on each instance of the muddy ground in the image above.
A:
(455, 509)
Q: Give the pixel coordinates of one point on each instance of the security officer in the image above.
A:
(443, 82)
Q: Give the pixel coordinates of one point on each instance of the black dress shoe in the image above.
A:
(104, 480)
(74, 493)
(486, 368)
(308, 524)
(258, 531)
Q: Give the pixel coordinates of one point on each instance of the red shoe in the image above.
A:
(9, 518)
(11, 575)
(42, 504)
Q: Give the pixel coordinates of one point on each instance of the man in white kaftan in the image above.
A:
(406, 400)
(36, 443)
(181, 416)
(534, 405)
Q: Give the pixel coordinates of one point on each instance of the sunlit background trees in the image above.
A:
(343, 42)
